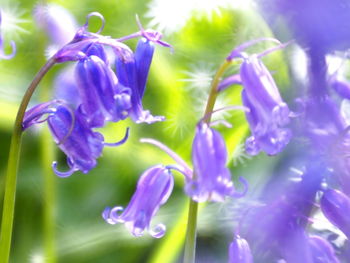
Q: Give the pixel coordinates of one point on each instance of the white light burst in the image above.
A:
(11, 21)
(170, 16)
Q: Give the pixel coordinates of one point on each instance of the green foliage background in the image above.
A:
(79, 233)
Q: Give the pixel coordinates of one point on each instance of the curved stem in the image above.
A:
(190, 242)
(11, 176)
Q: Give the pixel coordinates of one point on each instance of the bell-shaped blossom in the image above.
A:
(72, 134)
(133, 75)
(268, 112)
(96, 85)
(153, 190)
(12, 43)
(239, 251)
(212, 179)
(322, 251)
(335, 205)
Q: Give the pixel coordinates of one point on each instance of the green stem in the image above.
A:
(11, 176)
(191, 233)
(47, 155)
(49, 186)
(190, 243)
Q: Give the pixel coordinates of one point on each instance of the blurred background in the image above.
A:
(59, 219)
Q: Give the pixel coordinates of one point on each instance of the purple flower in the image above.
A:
(268, 113)
(12, 43)
(133, 75)
(212, 179)
(239, 251)
(335, 206)
(72, 134)
(322, 251)
(153, 190)
(96, 85)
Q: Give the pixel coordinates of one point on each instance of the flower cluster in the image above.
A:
(319, 181)
(96, 93)
(209, 180)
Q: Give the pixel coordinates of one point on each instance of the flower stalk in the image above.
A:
(191, 233)
(12, 168)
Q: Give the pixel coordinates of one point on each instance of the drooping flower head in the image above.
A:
(153, 190)
(72, 134)
(97, 89)
(133, 75)
(268, 114)
(212, 179)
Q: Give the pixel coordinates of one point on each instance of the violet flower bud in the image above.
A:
(335, 205)
(153, 190)
(212, 179)
(322, 251)
(96, 85)
(133, 75)
(239, 251)
(268, 112)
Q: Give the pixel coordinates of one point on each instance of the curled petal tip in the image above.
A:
(112, 215)
(122, 141)
(244, 191)
(158, 231)
(96, 14)
(62, 174)
(12, 54)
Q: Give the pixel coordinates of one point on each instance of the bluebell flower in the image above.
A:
(12, 43)
(212, 179)
(133, 75)
(268, 114)
(153, 190)
(97, 89)
(335, 205)
(72, 134)
(239, 251)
